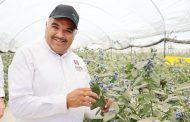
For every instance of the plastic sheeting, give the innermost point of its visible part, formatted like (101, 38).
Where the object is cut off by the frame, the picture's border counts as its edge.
(103, 23)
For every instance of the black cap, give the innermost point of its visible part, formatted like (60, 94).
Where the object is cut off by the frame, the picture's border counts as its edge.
(65, 11)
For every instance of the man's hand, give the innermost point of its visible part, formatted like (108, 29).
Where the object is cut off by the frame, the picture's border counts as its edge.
(81, 97)
(107, 106)
(2, 107)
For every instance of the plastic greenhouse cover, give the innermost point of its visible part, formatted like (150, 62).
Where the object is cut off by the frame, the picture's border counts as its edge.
(102, 22)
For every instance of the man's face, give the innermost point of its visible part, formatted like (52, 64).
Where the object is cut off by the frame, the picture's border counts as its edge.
(60, 34)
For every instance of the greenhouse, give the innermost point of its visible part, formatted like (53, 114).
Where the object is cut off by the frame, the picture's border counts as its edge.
(136, 54)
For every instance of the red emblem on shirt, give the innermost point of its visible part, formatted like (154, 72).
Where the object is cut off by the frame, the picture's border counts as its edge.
(77, 65)
(76, 62)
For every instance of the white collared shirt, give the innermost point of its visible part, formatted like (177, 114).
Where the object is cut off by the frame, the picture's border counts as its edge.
(2, 93)
(40, 79)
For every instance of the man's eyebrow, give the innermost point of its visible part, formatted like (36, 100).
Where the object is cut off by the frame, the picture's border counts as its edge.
(70, 28)
(53, 23)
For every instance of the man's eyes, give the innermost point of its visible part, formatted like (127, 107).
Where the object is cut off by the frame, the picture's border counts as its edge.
(70, 30)
(54, 26)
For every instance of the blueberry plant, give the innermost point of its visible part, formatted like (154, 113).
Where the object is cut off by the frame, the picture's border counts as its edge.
(143, 88)
(7, 58)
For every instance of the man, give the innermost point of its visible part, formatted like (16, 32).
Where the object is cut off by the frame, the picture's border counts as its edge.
(48, 82)
(2, 94)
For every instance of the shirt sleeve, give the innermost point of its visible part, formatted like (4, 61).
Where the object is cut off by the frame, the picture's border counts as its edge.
(22, 101)
(2, 94)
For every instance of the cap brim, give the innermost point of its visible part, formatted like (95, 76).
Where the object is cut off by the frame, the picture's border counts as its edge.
(56, 17)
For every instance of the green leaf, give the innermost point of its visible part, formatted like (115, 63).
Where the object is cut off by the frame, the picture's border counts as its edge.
(166, 121)
(175, 98)
(158, 92)
(146, 108)
(128, 110)
(183, 86)
(134, 116)
(134, 73)
(138, 81)
(164, 107)
(127, 95)
(148, 97)
(115, 107)
(95, 88)
(99, 103)
(98, 111)
(108, 116)
(150, 119)
(144, 85)
(155, 78)
(117, 89)
(129, 67)
(141, 64)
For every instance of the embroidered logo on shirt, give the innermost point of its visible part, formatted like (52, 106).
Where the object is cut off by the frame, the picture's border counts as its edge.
(78, 68)
(76, 62)
(77, 65)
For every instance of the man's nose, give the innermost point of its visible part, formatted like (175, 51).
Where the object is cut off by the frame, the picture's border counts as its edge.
(61, 34)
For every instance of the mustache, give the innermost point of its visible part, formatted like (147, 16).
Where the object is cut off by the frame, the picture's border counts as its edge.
(59, 38)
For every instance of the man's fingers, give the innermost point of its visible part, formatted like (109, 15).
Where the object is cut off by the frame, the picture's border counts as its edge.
(87, 99)
(90, 99)
(91, 94)
(2, 107)
(1, 112)
(81, 97)
(86, 104)
(87, 92)
(107, 105)
(84, 89)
